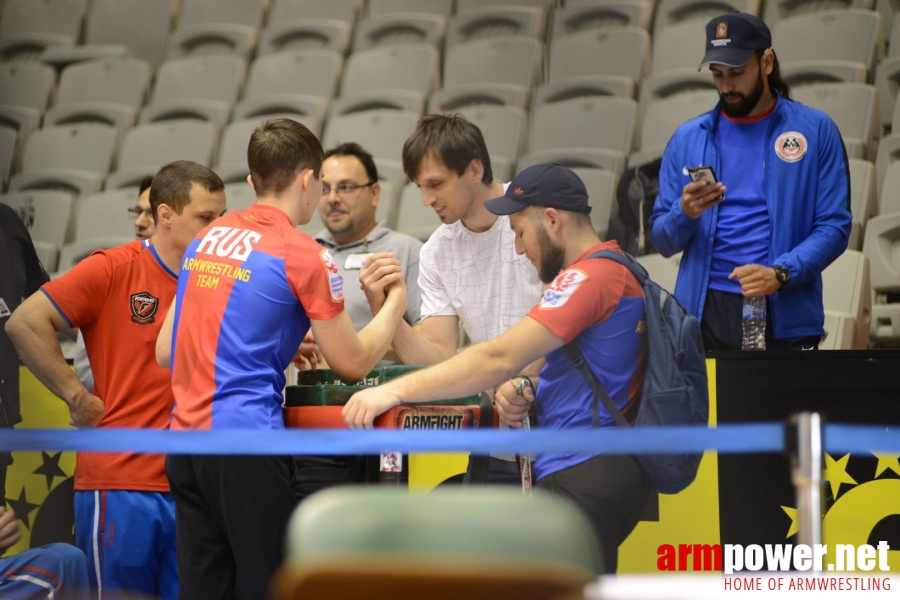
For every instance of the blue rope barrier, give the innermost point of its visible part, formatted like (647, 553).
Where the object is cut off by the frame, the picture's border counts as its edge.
(741, 439)
(726, 439)
(840, 438)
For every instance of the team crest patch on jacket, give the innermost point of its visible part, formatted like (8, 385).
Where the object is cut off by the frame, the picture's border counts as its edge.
(143, 308)
(791, 146)
(335, 281)
(562, 288)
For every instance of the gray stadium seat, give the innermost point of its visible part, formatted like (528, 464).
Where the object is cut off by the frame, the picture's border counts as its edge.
(432, 7)
(673, 12)
(811, 72)
(489, 21)
(665, 115)
(104, 91)
(776, 10)
(853, 107)
(199, 87)
(504, 129)
(583, 86)
(48, 254)
(303, 34)
(387, 203)
(593, 122)
(141, 26)
(106, 214)
(887, 81)
(888, 152)
(894, 41)
(863, 199)
(400, 28)
(667, 84)
(8, 139)
(601, 14)
(72, 254)
(838, 332)
(678, 46)
(462, 5)
(239, 196)
(882, 247)
(299, 81)
(48, 215)
(601, 188)
(407, 100)
(27, 26)
(25, 90)
(512, 60)
(73, 158)
(148, 147)
(451, 98)
(575, 158)
(662, 270)
(391, 171)
(413, 67)
(889, 200)
(381, 132)
(854, 35)
(413, 217)
(338, 10)
(846, 290)
(217, 26)
(621, 51)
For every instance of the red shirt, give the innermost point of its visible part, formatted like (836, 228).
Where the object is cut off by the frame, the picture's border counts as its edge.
(119, 298)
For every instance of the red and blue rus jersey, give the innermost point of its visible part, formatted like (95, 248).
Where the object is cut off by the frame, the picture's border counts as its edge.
(599, 302)
(248, 287)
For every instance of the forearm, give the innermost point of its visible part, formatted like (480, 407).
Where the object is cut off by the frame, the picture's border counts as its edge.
(413, 348)
(375, 337)
(483, 365)
(39, 349)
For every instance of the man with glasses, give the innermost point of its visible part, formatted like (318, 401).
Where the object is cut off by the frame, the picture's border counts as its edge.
(350, 196)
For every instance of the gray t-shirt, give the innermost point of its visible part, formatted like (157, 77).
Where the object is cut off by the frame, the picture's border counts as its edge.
(381, 239)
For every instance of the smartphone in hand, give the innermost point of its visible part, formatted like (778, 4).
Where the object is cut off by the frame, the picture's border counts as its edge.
(704, 172)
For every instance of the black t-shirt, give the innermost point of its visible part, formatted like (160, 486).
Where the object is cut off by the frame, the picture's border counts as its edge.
(21, 274)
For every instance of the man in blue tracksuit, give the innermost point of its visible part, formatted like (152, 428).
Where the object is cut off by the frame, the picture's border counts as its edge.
(780, 210)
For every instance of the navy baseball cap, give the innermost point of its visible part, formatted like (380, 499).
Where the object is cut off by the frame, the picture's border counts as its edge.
(732, 39)
(542, 185)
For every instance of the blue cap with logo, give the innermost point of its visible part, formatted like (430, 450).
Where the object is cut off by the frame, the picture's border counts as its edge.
(732, 39)
(548, 185)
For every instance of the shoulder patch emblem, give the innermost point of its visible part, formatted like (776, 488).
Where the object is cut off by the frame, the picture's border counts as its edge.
(791, 146)
(562, 288)
(335, 281)
(143, 308)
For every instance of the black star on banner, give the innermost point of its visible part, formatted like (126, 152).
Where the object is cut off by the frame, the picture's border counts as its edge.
(22, 508)
(50, 469)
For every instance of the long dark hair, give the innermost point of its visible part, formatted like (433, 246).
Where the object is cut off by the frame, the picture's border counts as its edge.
(775, 81)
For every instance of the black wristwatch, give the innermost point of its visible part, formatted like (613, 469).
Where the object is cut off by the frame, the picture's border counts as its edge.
(782, 275)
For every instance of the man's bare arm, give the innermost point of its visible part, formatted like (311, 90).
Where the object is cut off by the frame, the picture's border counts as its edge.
(477, 368)
(164, 339)
(32, 329)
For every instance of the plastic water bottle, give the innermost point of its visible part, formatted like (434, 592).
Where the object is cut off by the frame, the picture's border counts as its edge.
(754, 321)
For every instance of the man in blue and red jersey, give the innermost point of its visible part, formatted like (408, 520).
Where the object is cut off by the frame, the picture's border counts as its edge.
(251, 286)
(596, 301)
(124, 514)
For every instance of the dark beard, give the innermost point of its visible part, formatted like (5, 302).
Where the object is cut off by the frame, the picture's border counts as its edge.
(552, 257)
(747, 103)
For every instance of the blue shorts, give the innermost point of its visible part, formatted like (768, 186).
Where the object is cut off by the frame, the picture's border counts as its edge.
(129, 539)
(56, 570)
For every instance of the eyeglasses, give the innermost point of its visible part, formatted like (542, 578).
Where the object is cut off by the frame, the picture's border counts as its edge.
(136, 212)
(345, 189)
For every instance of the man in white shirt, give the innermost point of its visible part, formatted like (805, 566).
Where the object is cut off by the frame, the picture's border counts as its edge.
(469, 272)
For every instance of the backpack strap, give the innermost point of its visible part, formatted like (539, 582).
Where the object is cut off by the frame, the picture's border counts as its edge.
(573, 349)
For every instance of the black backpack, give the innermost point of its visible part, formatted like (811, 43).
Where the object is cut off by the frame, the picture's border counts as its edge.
(675, 390)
